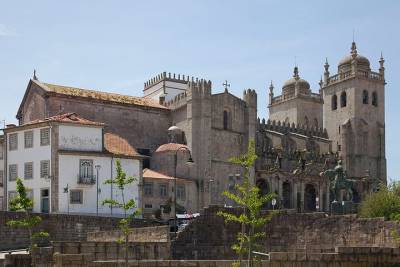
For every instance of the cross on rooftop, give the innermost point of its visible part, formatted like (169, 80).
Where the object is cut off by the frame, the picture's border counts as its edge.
(226, 85)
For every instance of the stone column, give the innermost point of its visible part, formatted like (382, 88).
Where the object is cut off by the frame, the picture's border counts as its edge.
(294, 198)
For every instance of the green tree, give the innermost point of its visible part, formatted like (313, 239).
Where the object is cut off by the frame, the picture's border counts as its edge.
(384, 203)
(127, 205)
(22, 203)
(248, 197)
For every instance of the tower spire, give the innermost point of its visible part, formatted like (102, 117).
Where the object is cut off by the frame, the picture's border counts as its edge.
(326, 73)
(296, 72)
(271, 92)
(34, 75)
(381, 65)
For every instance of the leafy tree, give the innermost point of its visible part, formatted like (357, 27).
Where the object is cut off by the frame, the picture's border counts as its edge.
(179, 208)
(22, 203)
(249, 197)
(127, 205)
(383, 203)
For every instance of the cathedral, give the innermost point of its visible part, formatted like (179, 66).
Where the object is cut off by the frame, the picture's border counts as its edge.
(305, 134)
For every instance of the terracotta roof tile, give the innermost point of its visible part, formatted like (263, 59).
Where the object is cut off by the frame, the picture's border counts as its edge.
(170, 147)
(94, 94)
(150, 174)
(67, 117)
(118, 145)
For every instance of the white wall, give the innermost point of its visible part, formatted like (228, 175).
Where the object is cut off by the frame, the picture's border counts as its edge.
(35, 154)
(80, 138)
(68, 173)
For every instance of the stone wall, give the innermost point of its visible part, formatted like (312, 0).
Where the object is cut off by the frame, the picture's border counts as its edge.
(61, 227)
(145, 234)
(343, 257)
(208, 237)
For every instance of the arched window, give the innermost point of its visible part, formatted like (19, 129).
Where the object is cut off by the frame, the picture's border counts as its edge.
(343, 99)
(365, 97)
(375, 99)
(226, 117)
(334, 102)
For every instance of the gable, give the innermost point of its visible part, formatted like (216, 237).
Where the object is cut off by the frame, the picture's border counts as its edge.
(33, 104)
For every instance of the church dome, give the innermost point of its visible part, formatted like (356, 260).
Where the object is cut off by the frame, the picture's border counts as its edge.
(362, 62)
(288, 87)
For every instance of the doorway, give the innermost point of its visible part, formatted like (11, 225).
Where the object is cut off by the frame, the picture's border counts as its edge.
(310, 195)
(44, 200)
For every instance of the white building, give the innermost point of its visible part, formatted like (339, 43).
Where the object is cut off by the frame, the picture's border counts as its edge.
(2, 179)
(59, 158)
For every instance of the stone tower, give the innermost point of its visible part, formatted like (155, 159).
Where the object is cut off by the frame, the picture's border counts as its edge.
(297, 104)
(354, 115)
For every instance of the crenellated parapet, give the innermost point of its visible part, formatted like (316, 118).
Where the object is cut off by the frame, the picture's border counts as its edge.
(178, 101)
(172, 77)
(283, 127)
(199, 88)
(250, 97)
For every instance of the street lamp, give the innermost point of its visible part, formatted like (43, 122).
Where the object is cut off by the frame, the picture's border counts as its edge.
(98, 167)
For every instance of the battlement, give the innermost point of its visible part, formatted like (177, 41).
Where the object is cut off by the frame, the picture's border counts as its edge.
(172, 77)
(178, 101)
(200, 87)
(283, 127)
(250, 97)
(282, 98)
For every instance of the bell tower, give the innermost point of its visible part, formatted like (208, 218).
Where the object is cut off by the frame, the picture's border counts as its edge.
(354, 115)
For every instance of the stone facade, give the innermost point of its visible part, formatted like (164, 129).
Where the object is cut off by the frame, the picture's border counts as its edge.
(215, 127)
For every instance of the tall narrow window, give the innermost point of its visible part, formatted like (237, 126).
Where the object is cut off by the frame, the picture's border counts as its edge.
(181, 192)
(28, 170)
(365, 97)
(375, 99)
(163, 190)
(28, 139)
(334, 102)
(44, 137)
(44, 169)
(226, 120)
(148, 189)
(1, 178)
(12, 172)
(13, 141)
(86, 169)
(343, 99)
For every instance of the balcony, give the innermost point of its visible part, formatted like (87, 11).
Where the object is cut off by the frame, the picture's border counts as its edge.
(86, 179)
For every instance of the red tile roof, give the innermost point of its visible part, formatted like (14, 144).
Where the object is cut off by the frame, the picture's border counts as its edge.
(150, 174)
(170, 147)
(98, 95)
(118, 145)
(68, 118)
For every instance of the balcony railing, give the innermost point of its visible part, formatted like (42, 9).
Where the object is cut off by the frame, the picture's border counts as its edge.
(348, 74)
(86, 179)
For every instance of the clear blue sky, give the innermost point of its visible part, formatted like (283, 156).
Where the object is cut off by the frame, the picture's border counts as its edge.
(117, 45)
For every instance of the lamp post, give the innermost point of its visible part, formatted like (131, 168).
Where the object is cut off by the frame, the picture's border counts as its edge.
(66, 190)
(174, 129)
(97, 187)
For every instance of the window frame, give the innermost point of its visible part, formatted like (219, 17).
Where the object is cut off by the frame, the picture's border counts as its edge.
(343, 99)
(10, 172)
(148, 185)
(41, 169)
(26, 134)
(374, 101)
(80, 191)
(86, 171)
(11, 137)
(365, 97)
(44, 141)
(1, 178)
(163, 185)
(25, 169)
(334, 103)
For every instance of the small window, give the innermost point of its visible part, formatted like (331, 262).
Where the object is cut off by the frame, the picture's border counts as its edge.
(334, 102)
(76, 196)
(226, 117)
(180, 192)
(28, 137)
(148, 189)
(148, 206)
(13, 141)
(343, 99)
(12, 172)
(45, 137)
(375, 99)
(163, 190)
(365, 97)
(1, 151)
(86, 168)
(44, 169)
(28, 170)
(1, 179)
